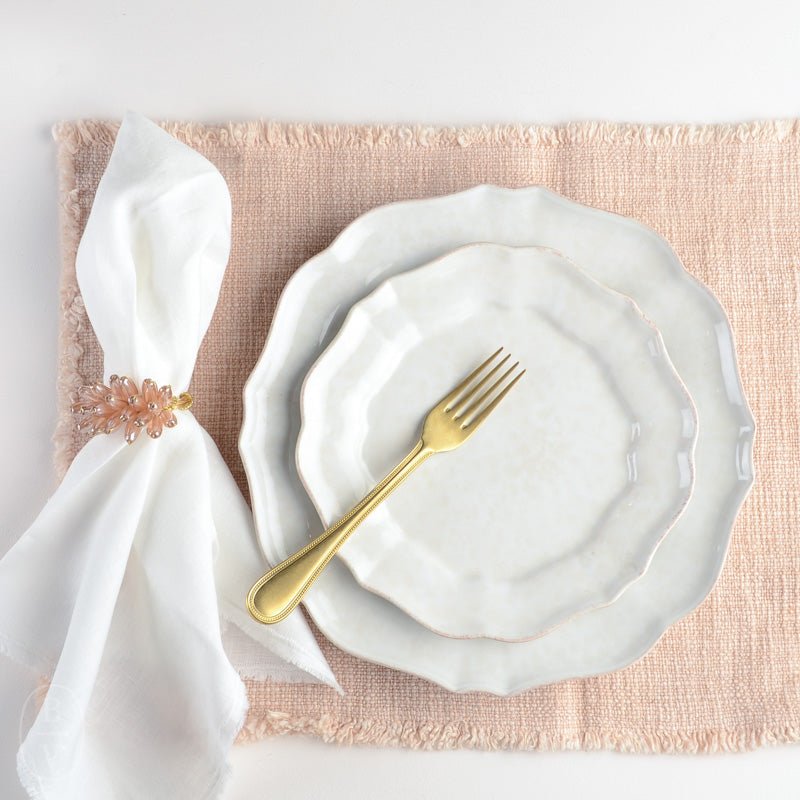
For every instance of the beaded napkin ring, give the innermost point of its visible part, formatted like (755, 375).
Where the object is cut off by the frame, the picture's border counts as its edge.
(103, 409)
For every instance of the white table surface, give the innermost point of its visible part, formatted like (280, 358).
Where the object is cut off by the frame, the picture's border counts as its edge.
(451, 61)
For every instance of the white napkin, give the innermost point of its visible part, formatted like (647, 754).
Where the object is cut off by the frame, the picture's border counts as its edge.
(118, 590)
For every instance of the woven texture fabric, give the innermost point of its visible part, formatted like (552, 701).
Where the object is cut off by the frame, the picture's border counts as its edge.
(728, 200)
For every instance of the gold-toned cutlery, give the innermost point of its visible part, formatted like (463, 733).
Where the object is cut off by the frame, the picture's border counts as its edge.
(447, 426)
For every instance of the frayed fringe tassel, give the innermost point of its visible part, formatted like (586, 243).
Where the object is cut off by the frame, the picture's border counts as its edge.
(73, 312)
(72, 135)
(427, 736)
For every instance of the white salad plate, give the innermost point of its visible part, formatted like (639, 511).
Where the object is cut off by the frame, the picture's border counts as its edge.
(559, 502)
(620, 253)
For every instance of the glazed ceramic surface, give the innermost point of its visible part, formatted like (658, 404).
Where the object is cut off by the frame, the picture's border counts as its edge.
(559, 502)
(616, 251)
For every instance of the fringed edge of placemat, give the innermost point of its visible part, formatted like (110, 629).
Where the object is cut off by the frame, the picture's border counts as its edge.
(72, 135)
(73, 312)
(456, 735)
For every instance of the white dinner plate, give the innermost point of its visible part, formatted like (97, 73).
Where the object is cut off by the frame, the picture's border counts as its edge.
(619, 252)
(558, 503)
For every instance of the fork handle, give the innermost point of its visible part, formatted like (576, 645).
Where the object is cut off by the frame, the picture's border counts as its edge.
(276, 594)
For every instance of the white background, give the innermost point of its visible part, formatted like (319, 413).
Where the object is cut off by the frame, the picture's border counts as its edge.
(453, 61)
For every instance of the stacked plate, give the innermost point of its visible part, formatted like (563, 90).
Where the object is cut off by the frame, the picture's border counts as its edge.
(587, 515)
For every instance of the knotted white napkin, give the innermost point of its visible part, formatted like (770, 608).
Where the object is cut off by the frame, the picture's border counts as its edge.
(119, 591)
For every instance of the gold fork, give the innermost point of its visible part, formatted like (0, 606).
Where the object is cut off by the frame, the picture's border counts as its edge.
(448, 425)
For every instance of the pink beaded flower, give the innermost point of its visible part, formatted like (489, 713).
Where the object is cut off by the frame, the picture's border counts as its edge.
(103, 409)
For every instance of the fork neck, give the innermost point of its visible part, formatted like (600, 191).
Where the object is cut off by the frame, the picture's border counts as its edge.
(420, 451)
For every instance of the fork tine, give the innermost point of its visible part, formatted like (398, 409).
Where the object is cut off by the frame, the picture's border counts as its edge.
(483, 414)
(463, 402)
(456, 393)
(478, 402)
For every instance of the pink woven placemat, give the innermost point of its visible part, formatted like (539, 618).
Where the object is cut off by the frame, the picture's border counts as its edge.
(726, 197)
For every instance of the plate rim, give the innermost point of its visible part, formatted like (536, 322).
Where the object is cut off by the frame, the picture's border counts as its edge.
(252, 422)
(666, 369)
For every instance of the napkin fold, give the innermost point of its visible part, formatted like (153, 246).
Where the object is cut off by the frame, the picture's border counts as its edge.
(121, 589)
